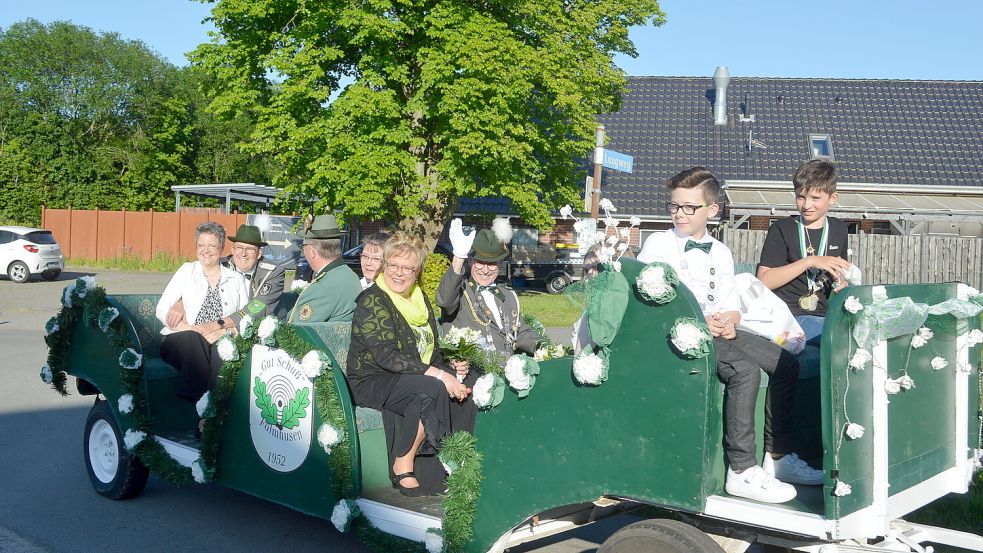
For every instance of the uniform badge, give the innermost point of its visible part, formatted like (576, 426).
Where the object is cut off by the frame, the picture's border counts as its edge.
(306, 312)
(255, 307)
(265, 290)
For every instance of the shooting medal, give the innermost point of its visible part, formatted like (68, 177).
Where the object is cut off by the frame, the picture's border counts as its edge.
(809, 302)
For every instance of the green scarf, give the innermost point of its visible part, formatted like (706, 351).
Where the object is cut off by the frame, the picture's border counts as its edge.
(414, 310)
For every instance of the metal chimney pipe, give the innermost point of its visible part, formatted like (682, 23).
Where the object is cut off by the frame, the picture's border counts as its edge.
(721, 77)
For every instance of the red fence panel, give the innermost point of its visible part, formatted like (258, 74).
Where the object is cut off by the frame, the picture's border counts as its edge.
(110, 233)
(59, 222)
(165, 235)
(138, 233)
(85, 234)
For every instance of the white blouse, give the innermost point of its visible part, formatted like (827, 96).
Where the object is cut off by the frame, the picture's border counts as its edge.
(190, 286)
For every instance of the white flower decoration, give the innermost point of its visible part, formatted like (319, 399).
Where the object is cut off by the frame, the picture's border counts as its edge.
(434, 542)
(328, 437)
(860, 358)
(939, 363)
(622, 247)
(917, 341)
(312, 364)
(244, 323)
(197, 472)
(975, 337)
(589, 369)
(515, 373)
(481, 391)
(558, 351)
(202, 405)
(634, 221)
(616, 266)
(130, 359)
(66, 296)
(965, 292)
(566, 211)
(606, 205)
(842, 489)
(624, 233)
(611, 240)
(964, 367)
(132, 438)
(906, 382)
(610, 221)
(267, 327)
(853, 275)
(227, 349)
(653, 281)
(853, 305)
(298, 284)
(87, 283)
(125, 403)
(456, 334)
(542, 354)
(46, 375)
(892, 386)
(104, 321)
(52, 326)
(854, 431)
(340, 515)
(688, 337)
(878, 293)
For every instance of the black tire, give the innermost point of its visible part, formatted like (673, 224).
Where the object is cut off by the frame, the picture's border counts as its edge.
(557, 282)
(113, 471)
(18, 272)
(51, 275)
(659, 536)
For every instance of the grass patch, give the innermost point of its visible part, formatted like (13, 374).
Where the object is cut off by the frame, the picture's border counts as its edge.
(551, 310)
(955, 511)
(161, 262)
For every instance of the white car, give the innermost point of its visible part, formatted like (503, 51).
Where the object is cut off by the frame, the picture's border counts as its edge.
(26, 251)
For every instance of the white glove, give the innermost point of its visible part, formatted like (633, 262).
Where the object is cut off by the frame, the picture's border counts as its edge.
(460, 242)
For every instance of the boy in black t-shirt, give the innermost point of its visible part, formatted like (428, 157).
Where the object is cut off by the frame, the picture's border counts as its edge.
(804, 257)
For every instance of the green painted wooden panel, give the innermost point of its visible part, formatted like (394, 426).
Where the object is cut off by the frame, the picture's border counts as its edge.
(850, 461)
(652, 432)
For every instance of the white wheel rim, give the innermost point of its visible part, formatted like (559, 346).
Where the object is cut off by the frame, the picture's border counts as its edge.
(17, 272)
(103, 451)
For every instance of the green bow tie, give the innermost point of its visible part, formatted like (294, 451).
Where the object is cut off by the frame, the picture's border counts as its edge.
(702, 246)
(493, 288)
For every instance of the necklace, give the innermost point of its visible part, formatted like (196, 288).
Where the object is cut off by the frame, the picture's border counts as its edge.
(810, 301)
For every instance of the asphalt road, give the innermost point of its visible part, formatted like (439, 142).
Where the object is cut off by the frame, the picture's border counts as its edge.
(48, 506)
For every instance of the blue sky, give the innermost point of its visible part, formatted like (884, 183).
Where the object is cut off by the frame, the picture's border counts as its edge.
(887, 39)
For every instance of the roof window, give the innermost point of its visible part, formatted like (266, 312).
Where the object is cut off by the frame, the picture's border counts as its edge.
(821, 146)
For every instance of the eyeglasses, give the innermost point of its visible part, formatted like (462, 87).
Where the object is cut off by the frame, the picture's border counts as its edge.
(244, 249)
(368, 258)
(673, 207)
(400, 269)
(209, 247)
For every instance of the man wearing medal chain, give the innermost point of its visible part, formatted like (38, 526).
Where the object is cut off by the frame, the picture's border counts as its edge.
(804, 257)
(477, 302)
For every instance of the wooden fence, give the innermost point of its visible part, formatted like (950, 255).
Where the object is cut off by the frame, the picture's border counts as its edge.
(888, 259)
(98, 234)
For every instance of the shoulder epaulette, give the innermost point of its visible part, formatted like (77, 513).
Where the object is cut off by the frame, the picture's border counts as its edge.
(267, 266)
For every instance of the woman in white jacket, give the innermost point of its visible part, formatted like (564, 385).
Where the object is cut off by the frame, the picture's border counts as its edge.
(210, 292)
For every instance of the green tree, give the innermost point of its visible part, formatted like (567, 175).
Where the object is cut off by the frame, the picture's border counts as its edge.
(444, 98)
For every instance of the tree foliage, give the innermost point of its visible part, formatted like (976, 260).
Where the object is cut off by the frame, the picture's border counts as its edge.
(90, 120)
(396, 108)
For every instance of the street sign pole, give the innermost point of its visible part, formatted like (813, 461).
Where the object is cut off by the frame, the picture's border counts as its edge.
(598, 160)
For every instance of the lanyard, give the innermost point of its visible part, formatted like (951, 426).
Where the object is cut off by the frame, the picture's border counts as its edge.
(812, 274)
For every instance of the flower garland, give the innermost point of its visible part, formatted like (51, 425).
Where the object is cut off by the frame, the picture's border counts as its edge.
(521, 371)
(86, 302)
(657, 283)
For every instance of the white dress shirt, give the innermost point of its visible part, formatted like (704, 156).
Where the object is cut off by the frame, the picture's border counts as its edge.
(190, 286)
(710, 276)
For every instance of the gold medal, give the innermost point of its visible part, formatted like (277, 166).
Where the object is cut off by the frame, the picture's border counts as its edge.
(809, 302)
(810, 250)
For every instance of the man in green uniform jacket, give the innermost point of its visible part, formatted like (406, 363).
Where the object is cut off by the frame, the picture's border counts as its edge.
(330, 297)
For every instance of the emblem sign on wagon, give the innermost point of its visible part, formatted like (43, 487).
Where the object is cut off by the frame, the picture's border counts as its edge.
(280, 411)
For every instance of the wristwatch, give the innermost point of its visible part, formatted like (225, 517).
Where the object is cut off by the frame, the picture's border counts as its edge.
(221, 322)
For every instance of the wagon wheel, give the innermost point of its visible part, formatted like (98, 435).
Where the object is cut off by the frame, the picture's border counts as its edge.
(659, 536)
(113, 471)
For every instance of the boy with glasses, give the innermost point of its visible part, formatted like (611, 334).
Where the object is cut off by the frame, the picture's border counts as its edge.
(706, 267)
(478, 302)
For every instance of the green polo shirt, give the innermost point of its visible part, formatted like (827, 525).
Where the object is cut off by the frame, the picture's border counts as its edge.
(329, 298)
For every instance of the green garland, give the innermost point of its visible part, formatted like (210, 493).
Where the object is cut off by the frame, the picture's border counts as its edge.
(87, 308)
(460, 452)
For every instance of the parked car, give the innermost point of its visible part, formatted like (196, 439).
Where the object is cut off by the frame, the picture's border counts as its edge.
(26, 251)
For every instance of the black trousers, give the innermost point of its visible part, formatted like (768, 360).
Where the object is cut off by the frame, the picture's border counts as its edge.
(197, 361)
(420, 398)
(739, 365)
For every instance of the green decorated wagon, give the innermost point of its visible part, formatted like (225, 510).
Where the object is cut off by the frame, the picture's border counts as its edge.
(888, 410)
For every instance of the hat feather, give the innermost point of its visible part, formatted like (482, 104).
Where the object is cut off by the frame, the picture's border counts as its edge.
(502, 229)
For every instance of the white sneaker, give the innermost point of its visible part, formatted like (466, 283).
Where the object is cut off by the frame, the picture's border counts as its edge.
(754, 483)
(793, 470)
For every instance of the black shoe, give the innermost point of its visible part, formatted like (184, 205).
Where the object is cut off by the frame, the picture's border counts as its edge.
(416, 491)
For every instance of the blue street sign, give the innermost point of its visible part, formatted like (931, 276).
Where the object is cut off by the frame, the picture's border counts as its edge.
(617, 161)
